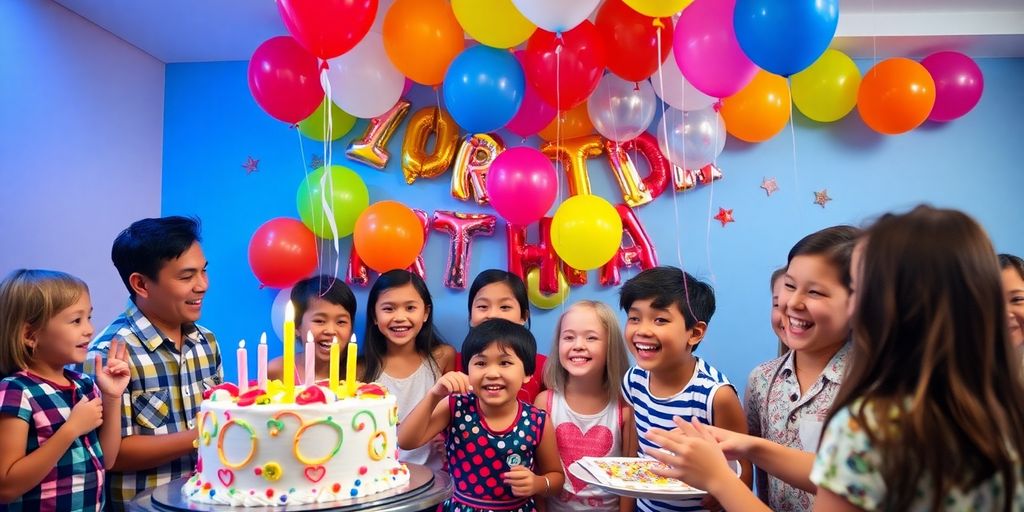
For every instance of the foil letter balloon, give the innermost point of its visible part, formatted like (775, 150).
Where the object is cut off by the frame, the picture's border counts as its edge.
(573, 154)
(637, 191)
(472, 161)
(523, 256)
(461, 227)
(358, 274)
(640, 254)
(372, 148)
(686, 179)
(416, 162)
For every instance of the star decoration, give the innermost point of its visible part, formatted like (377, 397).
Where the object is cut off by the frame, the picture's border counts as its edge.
(724, 216)
(250, 165)
(820, 198)
(769, 185)
(316, 162)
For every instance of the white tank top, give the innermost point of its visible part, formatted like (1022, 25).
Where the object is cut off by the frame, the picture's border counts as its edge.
(584, 435)
(409, 391)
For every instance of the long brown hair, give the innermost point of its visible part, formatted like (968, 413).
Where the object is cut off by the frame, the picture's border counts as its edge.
(932, 365)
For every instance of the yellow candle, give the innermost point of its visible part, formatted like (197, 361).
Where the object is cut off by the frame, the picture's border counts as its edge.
(350, 367)
(335, 363)
(288, 372)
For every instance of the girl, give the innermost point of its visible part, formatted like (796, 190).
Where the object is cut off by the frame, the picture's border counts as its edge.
(326, 308)
(494, 440)
(403, 351)
(788, 397)
(776, 318)
(57, 435)
(583, 402)
(1013, 287)
(499, 294)
(931, 414)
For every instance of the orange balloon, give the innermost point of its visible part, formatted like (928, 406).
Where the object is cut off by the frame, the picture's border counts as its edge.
(422, 37)
(896, 96)
(575, 123)
(388, 235)
(760, 110)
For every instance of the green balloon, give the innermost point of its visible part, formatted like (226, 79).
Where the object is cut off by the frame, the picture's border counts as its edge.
(314, 126)
(346, 196)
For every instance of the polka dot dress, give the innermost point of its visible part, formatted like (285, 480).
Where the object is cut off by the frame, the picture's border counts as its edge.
(478, 456)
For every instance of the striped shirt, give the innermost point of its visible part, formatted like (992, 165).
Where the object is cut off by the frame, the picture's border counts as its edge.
(76, 482)
(164, 392)
(693, 401)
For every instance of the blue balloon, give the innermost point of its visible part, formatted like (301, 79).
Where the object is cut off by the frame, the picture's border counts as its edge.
(785, 36)
(483, 88)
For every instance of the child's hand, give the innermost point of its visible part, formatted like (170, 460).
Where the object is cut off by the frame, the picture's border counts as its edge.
(114, 377)
(451, 383)
(86, 416)
(693, 455)
(733, 444)
(522, 481)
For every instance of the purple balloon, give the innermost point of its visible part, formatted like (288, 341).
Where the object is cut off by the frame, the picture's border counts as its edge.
(521, 185)
(534, 113)
(707, 51)
(958, 84)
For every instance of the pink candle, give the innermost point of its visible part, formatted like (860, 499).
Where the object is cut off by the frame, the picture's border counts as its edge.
(310, 377)
(261, 362)
(243, 368)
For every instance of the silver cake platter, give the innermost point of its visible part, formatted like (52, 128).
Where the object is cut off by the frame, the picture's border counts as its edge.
(425, 490)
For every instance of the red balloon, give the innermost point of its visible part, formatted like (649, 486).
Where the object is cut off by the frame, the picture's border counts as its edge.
(284, 79)
(328, 28)
(565, 70)
(281, 252)
(631, 40)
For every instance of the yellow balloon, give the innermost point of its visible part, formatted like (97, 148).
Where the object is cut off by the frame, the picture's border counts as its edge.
(658, 8)
(827, 90)
(494, 23)
(586, 232)
(539, 298)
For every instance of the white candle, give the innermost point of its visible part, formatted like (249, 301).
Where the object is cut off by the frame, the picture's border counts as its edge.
(243, 368)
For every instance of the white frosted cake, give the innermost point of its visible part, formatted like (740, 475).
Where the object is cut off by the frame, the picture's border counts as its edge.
(255, 450)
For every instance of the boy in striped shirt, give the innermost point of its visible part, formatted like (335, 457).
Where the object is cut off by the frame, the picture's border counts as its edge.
(667, 315)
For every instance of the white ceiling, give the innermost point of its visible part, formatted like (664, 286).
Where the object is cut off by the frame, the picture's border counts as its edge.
(217, 30)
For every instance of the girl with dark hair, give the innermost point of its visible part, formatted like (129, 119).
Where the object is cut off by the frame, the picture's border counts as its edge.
(1013, 287)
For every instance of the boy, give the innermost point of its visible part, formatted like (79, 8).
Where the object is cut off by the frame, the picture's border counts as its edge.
(667, 315)
(172, 359)
(325, 307)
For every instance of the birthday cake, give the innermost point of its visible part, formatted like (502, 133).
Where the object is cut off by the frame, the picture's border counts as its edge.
(257, 448)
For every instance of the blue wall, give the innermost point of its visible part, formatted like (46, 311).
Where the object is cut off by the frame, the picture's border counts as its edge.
(212, 125)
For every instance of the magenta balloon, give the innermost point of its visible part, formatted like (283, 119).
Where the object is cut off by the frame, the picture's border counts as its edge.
(707, 51)
(521, 185)
(958, 84)
(534, 113)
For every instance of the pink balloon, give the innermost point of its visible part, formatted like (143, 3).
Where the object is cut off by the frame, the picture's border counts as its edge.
(534, 114)
(284, 79)
(707, 51)
(521, 185)
(958, 84)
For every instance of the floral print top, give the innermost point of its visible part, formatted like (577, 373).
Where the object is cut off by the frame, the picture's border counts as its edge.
(778, 412)
(848, 466)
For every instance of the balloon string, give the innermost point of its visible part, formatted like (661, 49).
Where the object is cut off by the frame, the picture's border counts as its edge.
(792, 138)
(558, 159)
(664, 144)
(327, 178)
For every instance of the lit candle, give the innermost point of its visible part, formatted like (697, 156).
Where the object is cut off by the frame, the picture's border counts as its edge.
(310, 374)
(288, 371)
(243, 368)
(335, 356)
(261, 362)
(350, 367)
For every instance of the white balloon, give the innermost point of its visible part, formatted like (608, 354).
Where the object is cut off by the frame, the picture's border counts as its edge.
(382, 10)
(621, 110)
(277, 311)
(556, 15)
(364, 82)
(692, 139)
(676, 90)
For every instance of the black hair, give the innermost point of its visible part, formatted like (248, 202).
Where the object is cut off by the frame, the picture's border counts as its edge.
(1010, 261)
(666, 286)
(508, 335)
(514, 282)
(375, 344)
(834, 243)
(326, 288)
(146, 245)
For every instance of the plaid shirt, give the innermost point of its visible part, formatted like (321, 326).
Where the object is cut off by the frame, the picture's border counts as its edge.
(163, 394)
(76, 483)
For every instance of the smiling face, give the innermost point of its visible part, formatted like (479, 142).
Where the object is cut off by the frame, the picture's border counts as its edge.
(582, 343)
(1013, 287)
(176, 296)
(777, 327)
(496, 374)
(658, 337)
(815, 305)
(400, 313)
(326, 321)
(65, 338)
(495, 300)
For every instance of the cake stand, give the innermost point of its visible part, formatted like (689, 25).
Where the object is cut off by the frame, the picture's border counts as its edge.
(425, 490)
